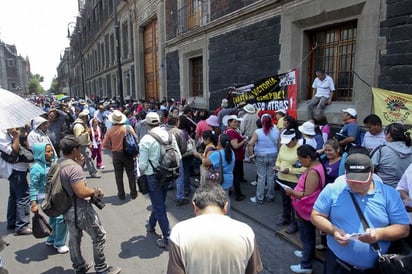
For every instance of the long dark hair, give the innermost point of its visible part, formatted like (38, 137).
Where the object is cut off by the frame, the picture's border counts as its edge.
(224, 141)
(398, 132)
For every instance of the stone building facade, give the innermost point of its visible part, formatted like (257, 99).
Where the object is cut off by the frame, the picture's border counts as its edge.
(200, 48)
(14, 69)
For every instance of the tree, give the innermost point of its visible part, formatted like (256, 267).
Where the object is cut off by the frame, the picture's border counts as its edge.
(54, 87)
(34, 84)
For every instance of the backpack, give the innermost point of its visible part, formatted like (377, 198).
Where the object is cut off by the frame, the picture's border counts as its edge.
(168, 168)
(57, 201)
(130, 146)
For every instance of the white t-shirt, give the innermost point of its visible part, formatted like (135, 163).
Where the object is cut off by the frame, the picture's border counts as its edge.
(323, 88)
(371, 141)
(405, 184)
(213, 243)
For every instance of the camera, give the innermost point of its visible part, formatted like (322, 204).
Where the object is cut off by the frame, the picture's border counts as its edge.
(97, 202)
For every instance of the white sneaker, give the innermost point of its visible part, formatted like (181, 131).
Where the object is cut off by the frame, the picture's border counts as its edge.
(62, 249)
(298, 253)
(298, 269)
(254, 183)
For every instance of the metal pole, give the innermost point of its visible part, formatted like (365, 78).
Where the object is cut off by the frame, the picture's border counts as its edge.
(119, 64)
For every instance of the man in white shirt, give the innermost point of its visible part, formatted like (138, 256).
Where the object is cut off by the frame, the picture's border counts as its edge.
(323, 88)
(212, 242)
(375, 135)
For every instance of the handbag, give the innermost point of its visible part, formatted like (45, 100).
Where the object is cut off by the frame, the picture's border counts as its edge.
(142, 184)
(387, 263)
(41, 227)
(215, 175)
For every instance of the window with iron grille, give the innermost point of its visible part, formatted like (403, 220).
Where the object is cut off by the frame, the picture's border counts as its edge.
(335, 53)
(196, 76)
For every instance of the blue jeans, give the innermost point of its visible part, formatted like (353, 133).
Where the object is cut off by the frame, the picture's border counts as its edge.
(157, 194)
(307, 233)
(88, 160)
(59, 233)
(180, 186)
(333, 265)
(89, 221)
(18, 208)
(266, 173)
(187, 164)
(319, 103)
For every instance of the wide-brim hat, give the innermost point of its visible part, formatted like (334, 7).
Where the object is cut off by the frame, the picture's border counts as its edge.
(227, 118)
(212, 121)
(249, 108)
(117, 117)
(358, 168)
(307, 128)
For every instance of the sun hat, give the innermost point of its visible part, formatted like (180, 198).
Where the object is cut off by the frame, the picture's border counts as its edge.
(287, 136)
(152, 118)
(117, 117)
(249, 108)
(37, 121)
(227, 118)
(358, 168)
(212, 121)
(307, 128)
(84, 113)
(351, 111)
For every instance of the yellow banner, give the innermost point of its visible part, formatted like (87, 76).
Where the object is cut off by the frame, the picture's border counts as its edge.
(392, 106)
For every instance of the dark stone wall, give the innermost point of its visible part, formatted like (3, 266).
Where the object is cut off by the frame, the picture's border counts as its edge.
(219, 8)
(396, 64)
(173, 78)
(243, 56)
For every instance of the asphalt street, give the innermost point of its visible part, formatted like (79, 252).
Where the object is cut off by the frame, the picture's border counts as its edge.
(130, 247)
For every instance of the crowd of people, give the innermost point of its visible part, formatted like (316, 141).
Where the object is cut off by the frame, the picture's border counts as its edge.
(317, 173)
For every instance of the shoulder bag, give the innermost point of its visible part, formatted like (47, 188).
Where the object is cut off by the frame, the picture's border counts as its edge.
(387, 263)
(215, 175)
(41, 227)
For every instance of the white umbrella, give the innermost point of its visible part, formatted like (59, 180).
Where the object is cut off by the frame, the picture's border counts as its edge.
(15, 111)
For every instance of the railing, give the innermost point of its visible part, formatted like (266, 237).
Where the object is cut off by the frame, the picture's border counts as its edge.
(191, 16)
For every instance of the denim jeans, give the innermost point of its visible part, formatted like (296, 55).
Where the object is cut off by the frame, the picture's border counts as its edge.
(187, 165)
(237, 177)
(266, 173)
(59, 233)
(288, 213)
(333, 265)
(88, 160)
(157, 194)
(121, 163)
(89, 221)
(319, 103)
(18, 208)
(180, 186)
(307, 233)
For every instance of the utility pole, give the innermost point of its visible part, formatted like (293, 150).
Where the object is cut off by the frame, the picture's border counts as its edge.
(118, 53)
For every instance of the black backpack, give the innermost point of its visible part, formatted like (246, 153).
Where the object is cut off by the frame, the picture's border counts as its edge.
(57, 201)
(168, 168)
(130, 146)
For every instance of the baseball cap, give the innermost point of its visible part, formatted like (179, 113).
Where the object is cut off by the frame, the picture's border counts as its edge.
(358, 168)
(351, 111)
(281, 111)
(152, 118)
(287, 136)
(69, 142)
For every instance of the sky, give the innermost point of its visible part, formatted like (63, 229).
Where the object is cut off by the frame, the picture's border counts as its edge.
(38, 29)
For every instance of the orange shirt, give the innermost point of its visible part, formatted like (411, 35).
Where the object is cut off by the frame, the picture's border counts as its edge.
(113, 139)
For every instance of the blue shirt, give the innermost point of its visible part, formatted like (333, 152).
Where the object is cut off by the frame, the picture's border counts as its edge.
(381, 207)
(226, 167)
(352, 129)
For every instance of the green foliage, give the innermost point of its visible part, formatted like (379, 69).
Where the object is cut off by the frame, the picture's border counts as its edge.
(34, 84)
(54, 87)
